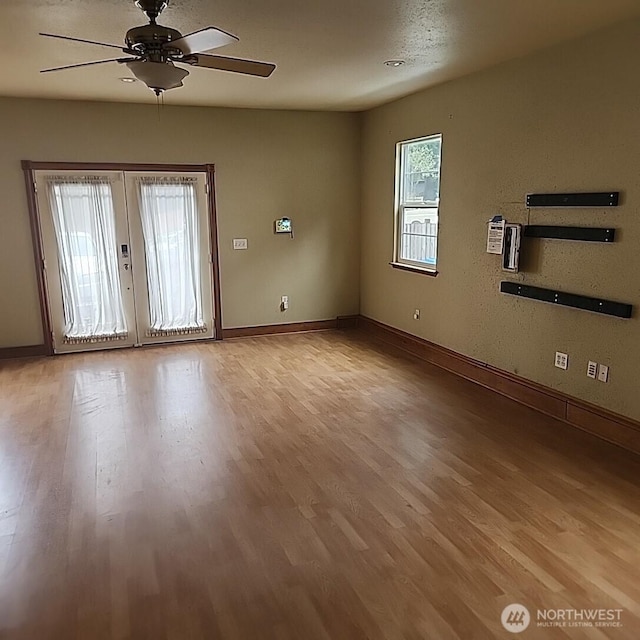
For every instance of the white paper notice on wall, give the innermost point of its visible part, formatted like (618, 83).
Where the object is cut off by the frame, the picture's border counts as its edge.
(495, 235)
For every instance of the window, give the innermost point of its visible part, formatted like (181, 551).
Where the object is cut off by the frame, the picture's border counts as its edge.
(418, 199)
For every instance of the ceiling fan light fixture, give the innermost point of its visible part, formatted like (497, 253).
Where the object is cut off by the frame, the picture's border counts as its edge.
(158, 76)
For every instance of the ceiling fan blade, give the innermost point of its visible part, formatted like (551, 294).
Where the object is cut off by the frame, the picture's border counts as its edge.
(235, 65)
(86, 64)
(101, 44)
(203, 40)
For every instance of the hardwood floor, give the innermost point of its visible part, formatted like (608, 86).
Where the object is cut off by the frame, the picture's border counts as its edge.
(298, 487)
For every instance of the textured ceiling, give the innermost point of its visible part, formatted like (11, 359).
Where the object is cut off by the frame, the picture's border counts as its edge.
(329, 54)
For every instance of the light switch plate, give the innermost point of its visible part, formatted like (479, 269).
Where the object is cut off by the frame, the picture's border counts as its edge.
(592, 369)
(240, 243)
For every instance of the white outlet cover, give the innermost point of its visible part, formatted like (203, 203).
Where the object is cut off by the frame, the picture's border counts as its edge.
(240, 243)
(603, 372)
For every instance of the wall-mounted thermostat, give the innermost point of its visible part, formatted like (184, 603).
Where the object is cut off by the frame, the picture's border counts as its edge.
(284, 225)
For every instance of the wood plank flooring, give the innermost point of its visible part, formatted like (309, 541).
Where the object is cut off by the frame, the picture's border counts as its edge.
(298, 487)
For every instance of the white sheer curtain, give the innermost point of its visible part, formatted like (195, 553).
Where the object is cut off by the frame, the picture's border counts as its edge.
(84, 221)
(169, 215)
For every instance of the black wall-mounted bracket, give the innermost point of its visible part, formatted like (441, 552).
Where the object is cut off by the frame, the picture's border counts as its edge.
(586, 234)
(600, 199)
(606, 307)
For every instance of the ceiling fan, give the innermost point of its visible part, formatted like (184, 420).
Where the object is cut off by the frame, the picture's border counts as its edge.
(153, 51)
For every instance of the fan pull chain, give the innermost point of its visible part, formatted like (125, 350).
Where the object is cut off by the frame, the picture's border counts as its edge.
(159, 104)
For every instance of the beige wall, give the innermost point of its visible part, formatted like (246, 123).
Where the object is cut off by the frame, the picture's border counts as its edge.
(566, 119)
(269, 164)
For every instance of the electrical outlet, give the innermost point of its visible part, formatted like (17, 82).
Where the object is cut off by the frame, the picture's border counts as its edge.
(284, 303)
(240, 243)
(562, 360)
(603, 373)
(592, 369)
(416, 314)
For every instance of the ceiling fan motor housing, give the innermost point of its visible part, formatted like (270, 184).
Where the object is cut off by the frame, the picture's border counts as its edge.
(151, 40)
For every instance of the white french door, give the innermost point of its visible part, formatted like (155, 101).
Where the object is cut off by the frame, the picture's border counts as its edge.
(168, 218)
(127, 258)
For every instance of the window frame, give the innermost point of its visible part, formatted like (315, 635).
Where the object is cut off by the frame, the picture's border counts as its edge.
(401, 206)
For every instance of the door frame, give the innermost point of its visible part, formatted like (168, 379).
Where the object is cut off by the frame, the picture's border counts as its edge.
(30, 166)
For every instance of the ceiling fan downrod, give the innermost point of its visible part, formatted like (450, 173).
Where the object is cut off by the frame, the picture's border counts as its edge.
(152, 8)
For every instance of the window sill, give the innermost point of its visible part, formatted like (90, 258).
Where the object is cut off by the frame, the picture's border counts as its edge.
(409, 267)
